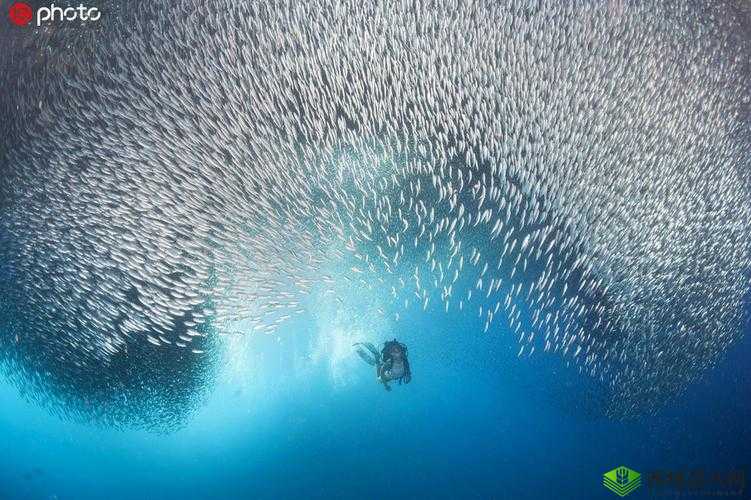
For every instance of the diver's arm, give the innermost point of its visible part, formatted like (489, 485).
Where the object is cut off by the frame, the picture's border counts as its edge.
(407, 372)
(383, 368)
(386, 365)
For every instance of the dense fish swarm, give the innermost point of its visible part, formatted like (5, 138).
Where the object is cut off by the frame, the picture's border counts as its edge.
(573, 174)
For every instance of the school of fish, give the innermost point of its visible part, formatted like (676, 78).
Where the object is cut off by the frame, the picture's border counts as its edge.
(575, 175)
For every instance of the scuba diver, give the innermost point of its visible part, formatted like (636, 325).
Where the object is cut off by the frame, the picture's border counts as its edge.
(391, 363)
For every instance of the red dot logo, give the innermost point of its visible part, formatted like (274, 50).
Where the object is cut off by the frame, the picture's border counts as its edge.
(20, 13)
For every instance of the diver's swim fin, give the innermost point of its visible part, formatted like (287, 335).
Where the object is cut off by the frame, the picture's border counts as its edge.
(366, 357)
(370, 358)
(376, 353)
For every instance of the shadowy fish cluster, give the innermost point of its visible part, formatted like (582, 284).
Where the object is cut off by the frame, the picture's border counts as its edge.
(575, 175)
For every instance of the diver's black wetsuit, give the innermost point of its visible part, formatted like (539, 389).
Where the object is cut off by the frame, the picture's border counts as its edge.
(388, 368)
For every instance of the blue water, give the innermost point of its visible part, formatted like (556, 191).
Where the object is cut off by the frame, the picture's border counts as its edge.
(299, 416)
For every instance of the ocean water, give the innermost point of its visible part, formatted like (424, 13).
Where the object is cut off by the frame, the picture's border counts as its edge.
(298, 415)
